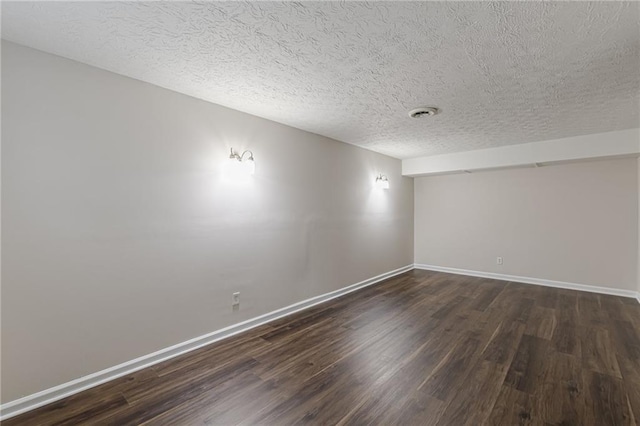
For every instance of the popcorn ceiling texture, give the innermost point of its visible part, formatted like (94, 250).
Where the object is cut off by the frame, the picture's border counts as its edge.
(503, 73)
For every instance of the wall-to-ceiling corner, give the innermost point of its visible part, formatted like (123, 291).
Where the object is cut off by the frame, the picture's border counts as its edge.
(565, 211)
(122, 235)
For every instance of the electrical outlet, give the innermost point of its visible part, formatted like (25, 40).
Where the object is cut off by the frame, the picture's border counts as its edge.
(236, 299)
(499, 260)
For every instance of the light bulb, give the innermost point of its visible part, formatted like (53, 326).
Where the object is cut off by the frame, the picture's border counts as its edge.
(234, 170)
(382, 182)
(250, 166)
(239, 167)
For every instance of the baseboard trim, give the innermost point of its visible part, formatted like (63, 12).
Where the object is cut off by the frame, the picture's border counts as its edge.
(56, 393)
(529, 280)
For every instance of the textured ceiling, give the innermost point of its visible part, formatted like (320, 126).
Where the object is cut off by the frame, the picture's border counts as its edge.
(502, 73)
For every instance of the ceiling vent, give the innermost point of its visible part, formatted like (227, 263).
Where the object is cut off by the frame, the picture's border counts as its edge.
(423, 112)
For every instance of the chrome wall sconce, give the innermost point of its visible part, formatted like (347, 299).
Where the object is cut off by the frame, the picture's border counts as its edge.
(239, 165)
(382, 182)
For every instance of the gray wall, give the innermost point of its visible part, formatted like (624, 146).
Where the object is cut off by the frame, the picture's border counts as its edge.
(120, 236)
(576, 222)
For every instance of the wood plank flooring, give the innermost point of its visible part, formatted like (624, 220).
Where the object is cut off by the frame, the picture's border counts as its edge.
(422, 348)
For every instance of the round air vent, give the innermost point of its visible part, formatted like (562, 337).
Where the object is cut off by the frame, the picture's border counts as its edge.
(423, 112)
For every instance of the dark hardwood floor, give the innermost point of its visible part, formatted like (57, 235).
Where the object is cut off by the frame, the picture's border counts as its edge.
(422, 348)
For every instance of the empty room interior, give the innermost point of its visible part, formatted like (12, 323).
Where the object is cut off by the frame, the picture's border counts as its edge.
(324, 213)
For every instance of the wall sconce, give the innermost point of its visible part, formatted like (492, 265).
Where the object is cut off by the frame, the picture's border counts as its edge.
(239, 166)
(382, 182)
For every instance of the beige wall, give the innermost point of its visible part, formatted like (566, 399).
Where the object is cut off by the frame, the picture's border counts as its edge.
(576, 223)
(120, 236)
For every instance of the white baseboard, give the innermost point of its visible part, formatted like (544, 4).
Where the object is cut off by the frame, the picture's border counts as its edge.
(47, 396)
(529, 280)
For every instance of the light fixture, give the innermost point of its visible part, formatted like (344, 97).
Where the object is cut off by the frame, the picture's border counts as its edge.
(423, 112)
(382, 182)
(240, 166)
